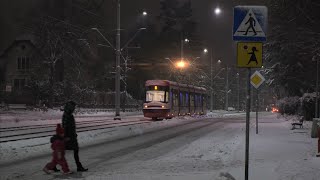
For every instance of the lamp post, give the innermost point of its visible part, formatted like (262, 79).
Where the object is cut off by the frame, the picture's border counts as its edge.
(238, 76)
(317, 91)
(117, 79)
(211, 75)
(227, 89)
(211, 78)
(217, 11)
(211, 82)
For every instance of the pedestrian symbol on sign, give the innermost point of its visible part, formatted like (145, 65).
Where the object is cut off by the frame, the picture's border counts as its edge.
(249, 54)
(253, 56)
(252, 23)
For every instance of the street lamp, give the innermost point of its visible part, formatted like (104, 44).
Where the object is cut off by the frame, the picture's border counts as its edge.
(144, 13)
(181, 64)
(217, 10)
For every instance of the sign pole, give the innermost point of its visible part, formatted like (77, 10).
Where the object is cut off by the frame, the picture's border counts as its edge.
(257, 107)
(249, 29)
(247, 126)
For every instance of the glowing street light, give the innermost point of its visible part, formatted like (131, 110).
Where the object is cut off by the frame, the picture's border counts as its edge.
(217, 11)
(186, 40)
(181, 64)
(144, 13)
(205, 50)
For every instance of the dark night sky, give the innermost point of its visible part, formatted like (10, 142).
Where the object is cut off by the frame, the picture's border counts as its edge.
(216, 30)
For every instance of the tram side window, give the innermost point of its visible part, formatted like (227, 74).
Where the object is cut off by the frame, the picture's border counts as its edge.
(187, 99)
(171, 97)
(175, 98)
(166, 96)
(182, 99)
(191, 99)
(197, 100)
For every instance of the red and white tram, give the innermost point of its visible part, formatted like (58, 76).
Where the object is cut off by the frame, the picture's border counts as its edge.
(166, 99)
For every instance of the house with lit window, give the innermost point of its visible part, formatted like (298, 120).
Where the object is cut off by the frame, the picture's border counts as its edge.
(16, 64)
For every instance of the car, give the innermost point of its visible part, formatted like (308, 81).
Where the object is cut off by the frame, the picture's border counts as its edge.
(274, 110)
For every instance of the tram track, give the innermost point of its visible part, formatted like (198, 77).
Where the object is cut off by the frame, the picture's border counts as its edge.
(46, 133)
(82, 126)
(6, 129)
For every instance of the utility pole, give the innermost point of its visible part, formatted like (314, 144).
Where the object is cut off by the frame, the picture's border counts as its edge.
(317, 91)
(117, 79)
(181, 46)
(227, 89)
(125, 78)
(211, 82)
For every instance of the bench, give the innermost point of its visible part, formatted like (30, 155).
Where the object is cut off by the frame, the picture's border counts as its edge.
(17, 106)
(300, 123)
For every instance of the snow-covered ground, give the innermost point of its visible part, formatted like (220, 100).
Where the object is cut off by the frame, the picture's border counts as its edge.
(276, 153)
(25, 149)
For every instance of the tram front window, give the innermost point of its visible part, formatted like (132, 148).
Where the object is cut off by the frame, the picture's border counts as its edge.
(156, 96)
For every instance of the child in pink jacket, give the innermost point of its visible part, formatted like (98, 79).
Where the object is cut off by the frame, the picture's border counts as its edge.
(58, 155)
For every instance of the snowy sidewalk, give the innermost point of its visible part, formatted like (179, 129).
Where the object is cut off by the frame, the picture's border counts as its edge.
(279, 153)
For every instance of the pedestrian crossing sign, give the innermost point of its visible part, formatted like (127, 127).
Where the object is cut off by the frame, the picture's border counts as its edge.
(250, 23)
(249, 54)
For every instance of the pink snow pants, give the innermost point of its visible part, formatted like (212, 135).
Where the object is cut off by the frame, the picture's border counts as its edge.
(61, 161)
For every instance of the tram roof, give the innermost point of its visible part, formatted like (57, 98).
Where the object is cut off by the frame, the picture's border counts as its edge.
(171, 83)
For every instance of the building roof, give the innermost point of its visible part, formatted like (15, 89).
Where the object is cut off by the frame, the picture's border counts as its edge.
(14, 44)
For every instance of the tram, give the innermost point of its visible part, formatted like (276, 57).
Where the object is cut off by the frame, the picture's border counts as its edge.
(166, 99)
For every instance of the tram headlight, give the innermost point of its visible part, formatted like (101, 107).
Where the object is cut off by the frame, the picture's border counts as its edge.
(162, 106)
(146, 106)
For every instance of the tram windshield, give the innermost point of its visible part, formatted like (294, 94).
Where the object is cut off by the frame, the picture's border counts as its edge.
(156, 96)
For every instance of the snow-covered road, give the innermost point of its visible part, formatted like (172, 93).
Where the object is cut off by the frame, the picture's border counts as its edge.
(211, 148)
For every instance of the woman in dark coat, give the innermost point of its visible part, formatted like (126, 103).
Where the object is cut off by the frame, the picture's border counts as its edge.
(69, 126)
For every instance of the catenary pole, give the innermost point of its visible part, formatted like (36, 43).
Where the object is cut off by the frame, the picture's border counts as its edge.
(211, 82)
(317, 91)
(117, 79)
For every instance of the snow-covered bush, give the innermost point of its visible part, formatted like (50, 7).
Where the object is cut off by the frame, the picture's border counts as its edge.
(303, 106)
(308, 105)
(289, 105)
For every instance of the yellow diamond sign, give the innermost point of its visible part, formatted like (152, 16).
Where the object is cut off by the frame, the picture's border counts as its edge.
(256, 79)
